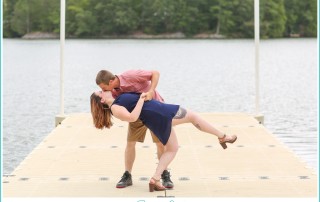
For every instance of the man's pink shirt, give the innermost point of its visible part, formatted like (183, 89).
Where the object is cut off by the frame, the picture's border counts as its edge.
(138, 81)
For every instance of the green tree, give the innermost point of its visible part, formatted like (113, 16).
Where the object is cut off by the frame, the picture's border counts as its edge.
(307, 20)
(222, 13)
(122, 16)
(186, 19)
(8, 10)
(243, 19)
(80, 21)
(203, 20)
(100, 18)
(273, 18)
(160, 16)
(22, 17)
(116, 16)
(49, 10)
(34, 15)
(292, 13)
(301, 17)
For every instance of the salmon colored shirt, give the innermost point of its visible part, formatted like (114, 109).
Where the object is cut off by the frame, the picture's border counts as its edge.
(137, 81)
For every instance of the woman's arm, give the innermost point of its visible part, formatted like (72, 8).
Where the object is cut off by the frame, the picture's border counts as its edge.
(123, 114)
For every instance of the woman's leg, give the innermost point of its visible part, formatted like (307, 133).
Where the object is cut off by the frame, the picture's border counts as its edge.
(167, 156)
(188, 116)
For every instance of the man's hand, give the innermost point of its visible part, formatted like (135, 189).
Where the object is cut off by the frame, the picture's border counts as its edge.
(143, 96)
(149, 95)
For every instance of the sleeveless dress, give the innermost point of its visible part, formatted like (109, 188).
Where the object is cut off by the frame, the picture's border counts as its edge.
(155, 115)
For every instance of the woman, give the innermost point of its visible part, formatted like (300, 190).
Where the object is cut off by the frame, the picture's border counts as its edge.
(158, 117)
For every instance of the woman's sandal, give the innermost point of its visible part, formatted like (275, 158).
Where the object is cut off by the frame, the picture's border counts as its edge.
(227, 139)
(155, 185)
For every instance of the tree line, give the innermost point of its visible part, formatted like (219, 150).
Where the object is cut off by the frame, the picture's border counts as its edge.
(105, 18)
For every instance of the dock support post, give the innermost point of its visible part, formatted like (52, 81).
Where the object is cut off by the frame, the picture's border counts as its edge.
(259, 118)
(257, 115)
(61, 116)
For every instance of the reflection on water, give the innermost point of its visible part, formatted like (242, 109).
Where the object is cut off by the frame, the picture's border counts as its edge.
(203, 75)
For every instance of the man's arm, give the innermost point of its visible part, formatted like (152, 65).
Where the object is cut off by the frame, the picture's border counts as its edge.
(154, 82)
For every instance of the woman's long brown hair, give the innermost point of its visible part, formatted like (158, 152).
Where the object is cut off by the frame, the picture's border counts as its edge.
(101, 114)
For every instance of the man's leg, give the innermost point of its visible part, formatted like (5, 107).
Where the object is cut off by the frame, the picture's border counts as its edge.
(130, 155)
(136, 133)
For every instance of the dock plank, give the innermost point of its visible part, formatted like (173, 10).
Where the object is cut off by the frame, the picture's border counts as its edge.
(77, 160)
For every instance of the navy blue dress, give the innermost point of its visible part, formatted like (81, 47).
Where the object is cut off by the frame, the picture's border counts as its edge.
(155, 115)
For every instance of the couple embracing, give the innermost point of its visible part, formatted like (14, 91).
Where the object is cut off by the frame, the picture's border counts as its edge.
(132, 97)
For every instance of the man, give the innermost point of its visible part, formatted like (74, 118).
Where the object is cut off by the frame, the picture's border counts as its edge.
(134, 81)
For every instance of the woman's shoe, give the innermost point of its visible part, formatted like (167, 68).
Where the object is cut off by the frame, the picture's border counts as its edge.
(155, 185)
(227, 139)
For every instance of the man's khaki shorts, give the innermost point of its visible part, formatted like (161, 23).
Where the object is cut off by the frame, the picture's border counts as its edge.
(137, 132)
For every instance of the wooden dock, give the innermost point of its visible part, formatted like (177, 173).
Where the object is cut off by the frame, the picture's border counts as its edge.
(77, 160)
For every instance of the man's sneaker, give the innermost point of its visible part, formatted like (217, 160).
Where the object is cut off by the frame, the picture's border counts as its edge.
(166, 181)
(126, 180)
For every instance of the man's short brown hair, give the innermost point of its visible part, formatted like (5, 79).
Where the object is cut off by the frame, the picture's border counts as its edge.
(104, 76)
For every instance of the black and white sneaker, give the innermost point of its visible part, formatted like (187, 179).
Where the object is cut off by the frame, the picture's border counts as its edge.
(126, 180)
(166, 181)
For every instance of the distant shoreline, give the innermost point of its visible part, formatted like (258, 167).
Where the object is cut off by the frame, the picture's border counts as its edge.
(137, 35)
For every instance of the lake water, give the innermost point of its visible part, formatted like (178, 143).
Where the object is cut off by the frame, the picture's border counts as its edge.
(203, 75)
